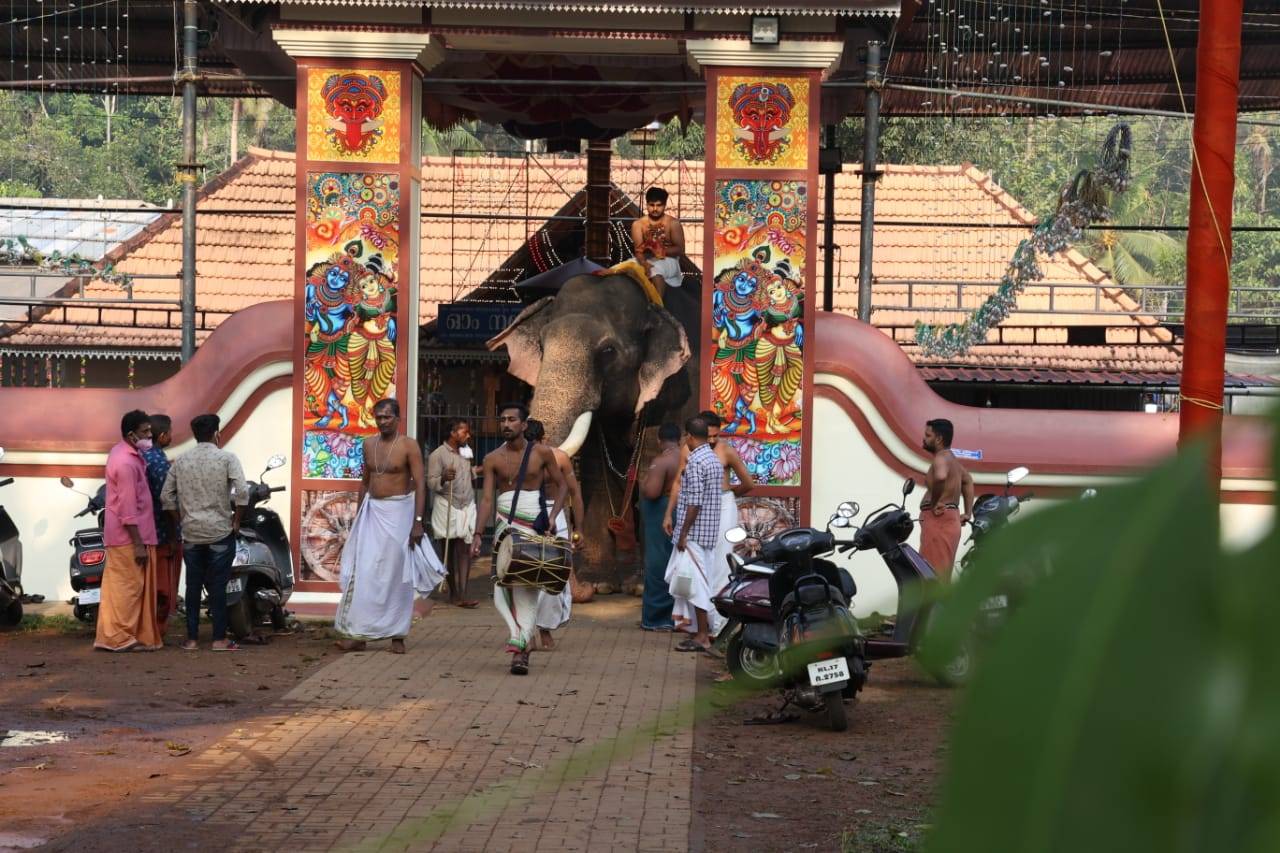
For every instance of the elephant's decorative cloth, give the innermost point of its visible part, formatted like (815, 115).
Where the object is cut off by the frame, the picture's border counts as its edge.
(636, 272)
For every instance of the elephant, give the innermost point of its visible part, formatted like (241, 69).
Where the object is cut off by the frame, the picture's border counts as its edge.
(597, 354)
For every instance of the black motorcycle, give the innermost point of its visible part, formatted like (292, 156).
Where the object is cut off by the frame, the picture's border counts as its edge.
(10, 566)
(814, 637)
(88, 556)
(262, 571)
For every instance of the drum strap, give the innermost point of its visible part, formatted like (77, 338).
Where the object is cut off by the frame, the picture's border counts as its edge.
(542, 523)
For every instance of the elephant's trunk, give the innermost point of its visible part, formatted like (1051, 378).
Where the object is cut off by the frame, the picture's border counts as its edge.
(567, 391)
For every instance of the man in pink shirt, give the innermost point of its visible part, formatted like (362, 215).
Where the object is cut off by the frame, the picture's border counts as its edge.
(127, 613)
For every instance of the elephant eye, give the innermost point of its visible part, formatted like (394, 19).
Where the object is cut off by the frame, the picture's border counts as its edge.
(607, 352)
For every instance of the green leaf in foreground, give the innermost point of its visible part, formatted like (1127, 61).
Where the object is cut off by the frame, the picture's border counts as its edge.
(1132, 702)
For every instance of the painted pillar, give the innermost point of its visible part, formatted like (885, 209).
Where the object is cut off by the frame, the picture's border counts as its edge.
(759, 260)
(359, 113)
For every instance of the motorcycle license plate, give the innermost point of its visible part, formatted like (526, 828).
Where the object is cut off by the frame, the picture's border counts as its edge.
(828, 671)
(995, 602)
(89, 596)
(235, 585)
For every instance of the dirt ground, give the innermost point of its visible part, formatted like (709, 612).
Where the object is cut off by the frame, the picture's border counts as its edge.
(129, 718)
(799, 786)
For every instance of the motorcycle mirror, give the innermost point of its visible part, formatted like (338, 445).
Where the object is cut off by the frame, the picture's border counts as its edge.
(67, 482)
(275, 461)
(847, 510)
(840, 521)
(908, 487)
(735, 535)
(1017, 474)
(1088, 494)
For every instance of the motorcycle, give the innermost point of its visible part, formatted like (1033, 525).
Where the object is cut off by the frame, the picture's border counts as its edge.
(262, 571)
(10, 566)
(88, 556)
(811, 637)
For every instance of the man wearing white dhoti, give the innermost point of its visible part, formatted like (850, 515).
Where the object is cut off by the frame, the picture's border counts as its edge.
(658, 238)
(735, 469)
(518, 472)
(453, 507)
(554, 610)
(697, 524)
(378, 567)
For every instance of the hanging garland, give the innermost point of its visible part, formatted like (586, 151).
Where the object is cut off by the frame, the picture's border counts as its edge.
(1082, 202)
(18, 251)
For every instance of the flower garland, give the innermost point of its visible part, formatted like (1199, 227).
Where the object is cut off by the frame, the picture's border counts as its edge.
(1082, 202)
(18, 251)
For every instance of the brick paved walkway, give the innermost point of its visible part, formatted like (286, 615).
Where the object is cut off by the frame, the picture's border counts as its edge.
(442, 749)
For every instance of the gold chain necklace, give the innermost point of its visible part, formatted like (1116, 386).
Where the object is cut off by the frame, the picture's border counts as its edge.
(381, 469)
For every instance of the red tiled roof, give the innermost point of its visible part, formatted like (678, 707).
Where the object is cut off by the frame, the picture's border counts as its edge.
(243, 259)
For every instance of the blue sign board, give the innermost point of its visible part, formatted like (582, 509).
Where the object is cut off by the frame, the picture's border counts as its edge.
(474, 322)
(967, 454)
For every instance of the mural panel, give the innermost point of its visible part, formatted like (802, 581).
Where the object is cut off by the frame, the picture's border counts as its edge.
(349, 315)
(762, 122)
(326, 522)
(757, 323)
(353, 115)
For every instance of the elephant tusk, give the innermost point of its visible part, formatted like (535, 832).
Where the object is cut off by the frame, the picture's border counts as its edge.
(577, 435)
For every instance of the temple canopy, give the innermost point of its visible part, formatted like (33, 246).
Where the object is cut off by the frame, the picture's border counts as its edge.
(560, 69)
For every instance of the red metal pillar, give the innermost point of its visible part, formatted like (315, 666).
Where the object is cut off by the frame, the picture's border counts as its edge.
(1209, 234)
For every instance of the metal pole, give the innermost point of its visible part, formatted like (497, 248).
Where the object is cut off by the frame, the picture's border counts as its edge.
(829, 228)
(187, 176)
(1213, 140)
(870, 173)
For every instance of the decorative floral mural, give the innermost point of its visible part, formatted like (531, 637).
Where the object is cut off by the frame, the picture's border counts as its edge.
(353, 115)
(349, 316)
(762, 122)
(757, 323)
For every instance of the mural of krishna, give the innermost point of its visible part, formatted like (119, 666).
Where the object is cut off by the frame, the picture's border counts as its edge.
(757, 323)
(349, 316)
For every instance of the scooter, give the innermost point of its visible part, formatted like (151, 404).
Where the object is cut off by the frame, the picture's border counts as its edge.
(10, 566)
(811, 636)
(88, 556)
(886, 531)
(262, 571)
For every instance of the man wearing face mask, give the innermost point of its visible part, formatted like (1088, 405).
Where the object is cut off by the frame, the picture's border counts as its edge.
(127, 613)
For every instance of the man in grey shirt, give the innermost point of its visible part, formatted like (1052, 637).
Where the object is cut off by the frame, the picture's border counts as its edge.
(199, 492)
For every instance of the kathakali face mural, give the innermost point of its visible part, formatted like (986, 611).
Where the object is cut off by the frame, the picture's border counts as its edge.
(349, 315)
(757, 323)
(353, 115)
(762, 123)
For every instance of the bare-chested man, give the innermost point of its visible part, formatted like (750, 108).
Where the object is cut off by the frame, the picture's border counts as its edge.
(718, 575)
(946, 483)
(659, 240)
(518, 605)
(655, 610)
(554, 610)
(377, 600)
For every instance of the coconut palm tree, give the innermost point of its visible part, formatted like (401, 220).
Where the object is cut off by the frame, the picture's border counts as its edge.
(1132, 258)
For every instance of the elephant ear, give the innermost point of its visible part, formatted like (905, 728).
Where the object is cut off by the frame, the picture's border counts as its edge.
(666, 352)
(523, 340)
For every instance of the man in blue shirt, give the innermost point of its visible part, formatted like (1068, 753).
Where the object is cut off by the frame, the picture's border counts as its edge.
(169, 550)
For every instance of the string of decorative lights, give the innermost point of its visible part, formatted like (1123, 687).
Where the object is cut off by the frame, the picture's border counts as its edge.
(1085, 200)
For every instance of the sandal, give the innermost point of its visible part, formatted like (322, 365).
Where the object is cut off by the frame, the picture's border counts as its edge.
(691, 646)
(191, 646)
(520, 663)
(229, 647)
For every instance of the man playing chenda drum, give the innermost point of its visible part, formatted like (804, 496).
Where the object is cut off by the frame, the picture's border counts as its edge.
(503, 470)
